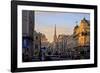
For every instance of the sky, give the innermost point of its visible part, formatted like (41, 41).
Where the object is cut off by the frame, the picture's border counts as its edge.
(65, 22)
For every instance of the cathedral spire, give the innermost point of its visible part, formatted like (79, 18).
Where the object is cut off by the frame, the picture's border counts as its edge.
(55, 36)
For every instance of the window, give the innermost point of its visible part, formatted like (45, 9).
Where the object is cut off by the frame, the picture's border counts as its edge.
(36, 46)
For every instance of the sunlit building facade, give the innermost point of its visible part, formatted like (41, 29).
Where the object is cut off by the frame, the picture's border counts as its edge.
(82, 37)
(82, 33)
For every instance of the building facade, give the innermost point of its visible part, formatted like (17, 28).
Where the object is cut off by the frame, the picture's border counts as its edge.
(36, 44)
(27, 34)
(82, 36)
(62, 43)
(82, 33)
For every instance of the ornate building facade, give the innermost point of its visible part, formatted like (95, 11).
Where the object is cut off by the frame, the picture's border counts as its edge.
(82, 33)
(82, 37)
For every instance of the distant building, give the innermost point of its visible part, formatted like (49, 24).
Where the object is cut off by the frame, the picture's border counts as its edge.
(71, 42)
(40, 43)
(36, 44)
(59, 43)
(44, 41)
(62, 43)
(45, 44)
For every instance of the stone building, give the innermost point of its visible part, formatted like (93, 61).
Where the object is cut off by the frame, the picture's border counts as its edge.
(40, 45)
(71, 42)
(82, 36)
(45, 44)
(82, 33)
(27, 34)
(62, 43)
(36, 44)
(44, 41)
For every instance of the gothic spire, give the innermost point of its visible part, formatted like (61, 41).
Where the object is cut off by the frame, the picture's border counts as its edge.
(55, 36)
